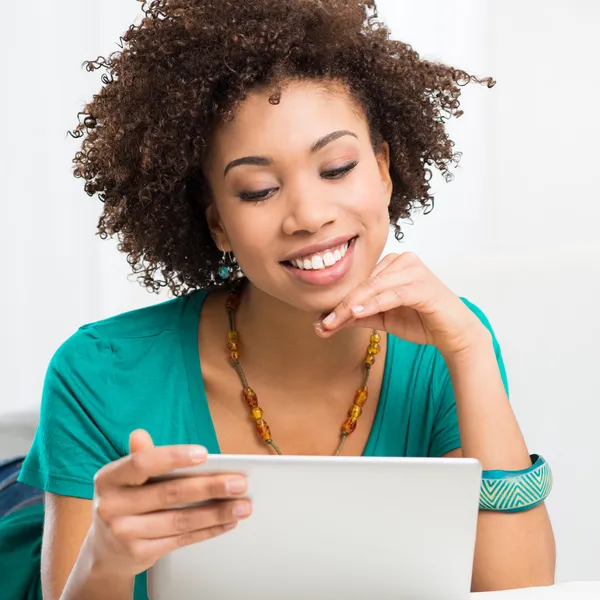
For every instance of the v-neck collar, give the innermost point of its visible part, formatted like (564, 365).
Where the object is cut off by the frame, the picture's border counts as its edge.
(205, 429)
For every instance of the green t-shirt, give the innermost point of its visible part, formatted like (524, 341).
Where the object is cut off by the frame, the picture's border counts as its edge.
(142, 370)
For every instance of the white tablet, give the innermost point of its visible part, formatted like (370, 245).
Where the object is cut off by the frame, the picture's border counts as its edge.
(327, 528)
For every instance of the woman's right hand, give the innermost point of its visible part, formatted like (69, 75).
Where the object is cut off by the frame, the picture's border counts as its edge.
(134, 523)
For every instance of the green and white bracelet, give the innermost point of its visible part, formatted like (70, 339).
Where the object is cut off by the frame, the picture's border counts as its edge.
(516, 491)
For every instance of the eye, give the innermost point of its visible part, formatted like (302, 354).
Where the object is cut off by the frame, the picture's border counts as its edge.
(260, 195)
(256, 196)
(339, 172)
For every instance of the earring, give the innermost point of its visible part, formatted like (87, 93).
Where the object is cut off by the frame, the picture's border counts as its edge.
(228, 267)
(225, 269)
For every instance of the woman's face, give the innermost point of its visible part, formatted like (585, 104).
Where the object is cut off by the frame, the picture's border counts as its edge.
(299, 195)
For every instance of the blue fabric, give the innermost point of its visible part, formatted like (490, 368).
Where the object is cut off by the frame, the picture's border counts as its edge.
(15, 495)
(21, 522)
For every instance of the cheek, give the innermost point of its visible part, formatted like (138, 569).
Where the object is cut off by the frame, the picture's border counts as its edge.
(368, 198)
(250, 232)
(244, 235)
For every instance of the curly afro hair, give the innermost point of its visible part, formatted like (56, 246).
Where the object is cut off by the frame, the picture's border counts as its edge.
(183, 70)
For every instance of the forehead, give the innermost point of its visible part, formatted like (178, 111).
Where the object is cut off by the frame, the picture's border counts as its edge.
(306, 111)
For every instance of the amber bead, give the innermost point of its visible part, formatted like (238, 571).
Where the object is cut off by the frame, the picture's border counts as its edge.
(373, 348)
(375, 338)
(233, 346)
(250, 397)
(355, 411)
(263, 430)
(257, 412)
(370, 359)
(361, 396)
(235, 355)
(349, 425)
(232, 336)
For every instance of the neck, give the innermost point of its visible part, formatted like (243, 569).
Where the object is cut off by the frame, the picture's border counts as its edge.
(283, 339)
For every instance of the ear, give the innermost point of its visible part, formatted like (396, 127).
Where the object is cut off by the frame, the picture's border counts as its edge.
(217, 230)
(383, 162)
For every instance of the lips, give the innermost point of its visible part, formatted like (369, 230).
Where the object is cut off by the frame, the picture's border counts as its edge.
(323, 275)
(318, 247)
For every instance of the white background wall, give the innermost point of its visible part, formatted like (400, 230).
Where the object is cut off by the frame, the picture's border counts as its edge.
(516, 232)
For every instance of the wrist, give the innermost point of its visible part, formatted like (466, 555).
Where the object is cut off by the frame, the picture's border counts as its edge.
(477, 343)
(99, 565)
(95, 578)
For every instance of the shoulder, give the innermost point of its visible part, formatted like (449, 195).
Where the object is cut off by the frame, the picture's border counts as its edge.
(119, 374)
(145, 322)
(129, 329)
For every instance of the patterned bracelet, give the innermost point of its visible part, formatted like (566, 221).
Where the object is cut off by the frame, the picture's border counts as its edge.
(516, 491)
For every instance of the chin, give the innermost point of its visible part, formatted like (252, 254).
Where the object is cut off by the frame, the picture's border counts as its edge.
(317, 303)
(320, 299)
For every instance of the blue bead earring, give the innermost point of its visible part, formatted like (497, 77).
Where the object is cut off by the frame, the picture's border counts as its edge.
(228, 267)
(224, 269)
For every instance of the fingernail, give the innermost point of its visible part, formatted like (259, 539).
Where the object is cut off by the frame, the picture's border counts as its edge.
(357, 309)
(197, 453)
(329, 319)
(241, 509)
(235, 485)
(319, 328)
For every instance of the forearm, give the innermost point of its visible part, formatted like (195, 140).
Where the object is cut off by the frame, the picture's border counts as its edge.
(512, 550)
(488, 428)
(89, 581)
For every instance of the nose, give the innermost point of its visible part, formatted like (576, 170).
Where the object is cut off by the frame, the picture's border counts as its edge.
(308, 211)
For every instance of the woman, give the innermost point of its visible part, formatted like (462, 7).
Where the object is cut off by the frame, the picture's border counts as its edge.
(251, 157)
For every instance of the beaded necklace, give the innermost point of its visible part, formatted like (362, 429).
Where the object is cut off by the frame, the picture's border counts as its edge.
(251, 399)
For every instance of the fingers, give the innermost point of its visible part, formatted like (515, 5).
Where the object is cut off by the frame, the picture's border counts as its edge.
(380, 303)
(169, 523)
(389, 277)
(163, 546)
(138, 520)
(143, 553)
(180, 491)
(137, 468)
(140, 440)
(365, 299)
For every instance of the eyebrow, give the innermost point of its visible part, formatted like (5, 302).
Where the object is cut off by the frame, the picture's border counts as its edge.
(265, 160)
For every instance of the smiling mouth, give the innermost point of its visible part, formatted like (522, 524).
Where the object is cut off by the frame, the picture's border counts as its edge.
(321, 260)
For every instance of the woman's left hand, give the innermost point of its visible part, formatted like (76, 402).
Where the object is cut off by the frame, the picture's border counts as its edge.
(403, 297)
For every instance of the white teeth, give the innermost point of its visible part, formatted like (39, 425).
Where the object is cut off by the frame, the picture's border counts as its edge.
(328, 259)
(321, 260)
(317, 262)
